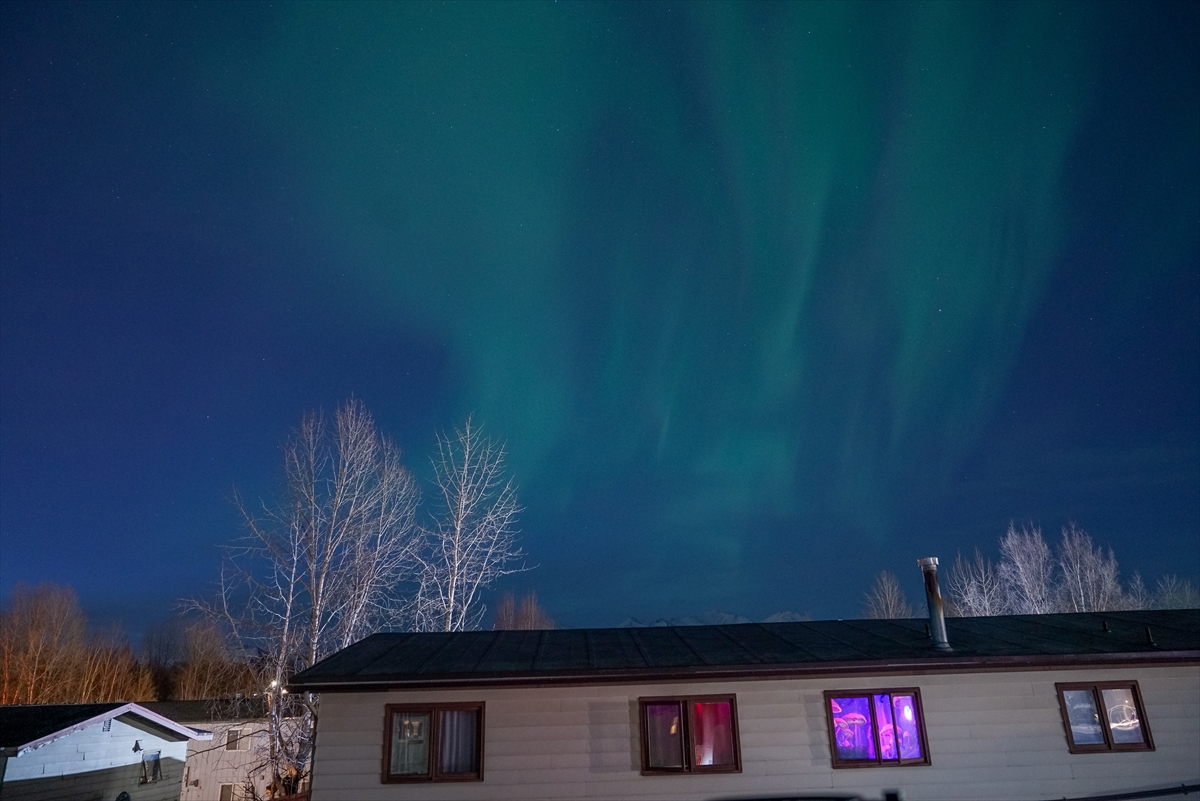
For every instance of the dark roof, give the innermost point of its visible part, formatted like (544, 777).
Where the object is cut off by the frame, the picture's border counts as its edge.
(28, 726)
(22, 724)
(213, 710)
(587, 656)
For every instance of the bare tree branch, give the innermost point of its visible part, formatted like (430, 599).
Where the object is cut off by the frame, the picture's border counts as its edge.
(1088, 577)
(886, 600)
(975, 588)
(321, 568)
(1027, 571)
(1175, 593)
(529, 616)
(48, 657)
(473, 542)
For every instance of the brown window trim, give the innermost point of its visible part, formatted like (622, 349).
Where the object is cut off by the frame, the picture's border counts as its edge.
(1108, 746)
(878, 762)
(686, 702)
(433, 775)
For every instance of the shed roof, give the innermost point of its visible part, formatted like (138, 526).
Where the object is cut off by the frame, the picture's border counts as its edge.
(755, 650)
(213, 710)
(23, 728)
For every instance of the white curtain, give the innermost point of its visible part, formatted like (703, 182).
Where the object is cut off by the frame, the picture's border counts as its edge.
(459, 736)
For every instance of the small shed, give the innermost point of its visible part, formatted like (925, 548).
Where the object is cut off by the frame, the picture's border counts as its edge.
(220, 769)
(92, 752)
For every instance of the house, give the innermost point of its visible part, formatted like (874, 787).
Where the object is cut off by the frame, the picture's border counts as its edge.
(218, 769)
(1013, 707)
(1016, 707)
(91, 751)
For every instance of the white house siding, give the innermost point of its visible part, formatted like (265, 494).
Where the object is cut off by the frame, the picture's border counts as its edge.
(991, 736)
(92, 764)
(209, 764)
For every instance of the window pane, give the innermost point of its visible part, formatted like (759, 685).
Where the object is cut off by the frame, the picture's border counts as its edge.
(908, 728)
(1081, 713)
(883, 719)
(151, 768)
(852, 727)
(232, 738)
(458, 734)
(410, 743)
(712, 736)
(226, 792)
(1123, 716)
(664, 735)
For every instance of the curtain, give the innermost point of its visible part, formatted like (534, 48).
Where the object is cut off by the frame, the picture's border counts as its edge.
(713, 735)
(459, 739)
(664, 735)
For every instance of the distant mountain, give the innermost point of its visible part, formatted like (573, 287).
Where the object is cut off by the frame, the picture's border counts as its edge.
(713, 617)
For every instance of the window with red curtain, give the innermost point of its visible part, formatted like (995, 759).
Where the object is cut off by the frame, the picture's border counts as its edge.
(689, 734)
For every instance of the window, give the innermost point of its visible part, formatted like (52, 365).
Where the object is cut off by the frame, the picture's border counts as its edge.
(876, 728)
(1123, 726)
(690, 735)
(151, 767)
(226, 792)
(440, 743)
(237, 740)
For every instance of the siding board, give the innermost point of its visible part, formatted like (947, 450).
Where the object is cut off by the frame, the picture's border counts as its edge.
(991, 736)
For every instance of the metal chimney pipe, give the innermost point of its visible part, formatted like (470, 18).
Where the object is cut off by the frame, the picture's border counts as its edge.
(933, 595)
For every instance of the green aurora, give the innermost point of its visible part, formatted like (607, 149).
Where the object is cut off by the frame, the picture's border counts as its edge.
(743, 286)
(751, 262)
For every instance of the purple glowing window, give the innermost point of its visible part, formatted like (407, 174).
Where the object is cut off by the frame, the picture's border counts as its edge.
(876, 728)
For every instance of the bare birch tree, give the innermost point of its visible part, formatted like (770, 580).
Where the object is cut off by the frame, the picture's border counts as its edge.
(529, 616)
(1088, 578)
(1033, 579)
(473, 541)
(1175, 593)
(1027, 571)
(886, 599)
(975, 588)
(321, 568)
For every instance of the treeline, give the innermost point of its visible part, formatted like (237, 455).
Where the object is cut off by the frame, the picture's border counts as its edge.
(1031, 577)
(48, 656)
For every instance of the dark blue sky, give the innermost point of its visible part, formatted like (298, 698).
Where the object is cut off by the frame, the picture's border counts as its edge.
(764, 298)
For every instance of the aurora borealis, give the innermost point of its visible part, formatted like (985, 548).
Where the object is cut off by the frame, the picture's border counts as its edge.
(764, 298)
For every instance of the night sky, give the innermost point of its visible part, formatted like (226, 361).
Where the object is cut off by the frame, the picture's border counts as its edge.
(763, 298)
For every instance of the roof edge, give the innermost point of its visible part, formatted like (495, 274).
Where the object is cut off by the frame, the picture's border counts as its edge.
(947, 664)
(115, 712)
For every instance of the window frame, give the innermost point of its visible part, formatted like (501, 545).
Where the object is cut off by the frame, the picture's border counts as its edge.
(237, 739)
(879, 762)
(1108, 746)
(687, 701)
(433, 775)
